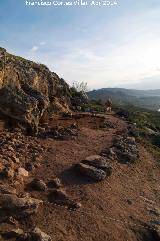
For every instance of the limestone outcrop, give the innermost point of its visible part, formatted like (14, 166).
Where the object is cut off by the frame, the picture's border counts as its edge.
(29, 91)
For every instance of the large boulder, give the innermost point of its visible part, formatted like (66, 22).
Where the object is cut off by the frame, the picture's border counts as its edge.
(98, 162)
(94, 167)
(91, 172)
(29, 91)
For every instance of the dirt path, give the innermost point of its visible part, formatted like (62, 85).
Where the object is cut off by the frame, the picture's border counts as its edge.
(113, 210)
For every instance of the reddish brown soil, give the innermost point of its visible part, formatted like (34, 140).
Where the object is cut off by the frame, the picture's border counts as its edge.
(113, 210)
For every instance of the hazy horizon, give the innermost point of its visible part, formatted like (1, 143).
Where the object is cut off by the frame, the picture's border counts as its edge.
(125, 88)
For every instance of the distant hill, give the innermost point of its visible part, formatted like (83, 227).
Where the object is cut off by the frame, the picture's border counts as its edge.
(143, 98)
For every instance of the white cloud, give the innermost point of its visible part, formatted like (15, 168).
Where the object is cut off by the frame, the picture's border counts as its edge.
(34, 48)
(126, 63)
(42, 43)
(37, 47)
(118, 53)
(131, 58)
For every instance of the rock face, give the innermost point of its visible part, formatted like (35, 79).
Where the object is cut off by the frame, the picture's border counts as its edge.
(29, 91)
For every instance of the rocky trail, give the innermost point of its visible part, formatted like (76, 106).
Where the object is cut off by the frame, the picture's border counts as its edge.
(84, 177)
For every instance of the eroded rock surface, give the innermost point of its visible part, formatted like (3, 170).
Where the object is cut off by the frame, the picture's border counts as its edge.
(29, 91)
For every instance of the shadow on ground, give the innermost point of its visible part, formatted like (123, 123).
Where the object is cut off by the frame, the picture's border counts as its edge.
(71, 177)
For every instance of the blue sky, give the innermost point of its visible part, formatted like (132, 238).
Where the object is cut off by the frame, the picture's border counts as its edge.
(106, 46)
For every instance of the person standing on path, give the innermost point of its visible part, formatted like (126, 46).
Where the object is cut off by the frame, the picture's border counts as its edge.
(108, 106)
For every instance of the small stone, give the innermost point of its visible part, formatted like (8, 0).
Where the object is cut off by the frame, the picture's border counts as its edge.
(15, 159)
(75, 205)
(12, 221)
(12, 234)
(41, 129)
(7, 173)
(155, 211)
(129, 202)
(29, 166)
(36, 165)
(58, 196)
(36, 159)
(74, 125)
(22, 172)
(38, 185)
(131, 140)
(10, 148)
(54, 183)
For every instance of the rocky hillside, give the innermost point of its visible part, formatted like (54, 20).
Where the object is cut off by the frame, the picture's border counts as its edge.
(30, 91)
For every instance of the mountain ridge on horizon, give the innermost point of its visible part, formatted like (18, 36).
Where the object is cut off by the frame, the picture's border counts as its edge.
(149, 99)
(124, 88)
